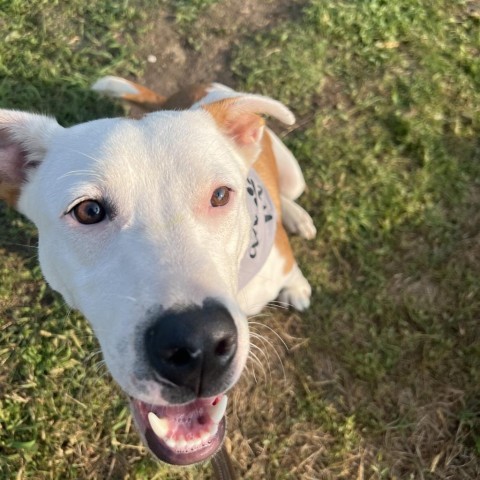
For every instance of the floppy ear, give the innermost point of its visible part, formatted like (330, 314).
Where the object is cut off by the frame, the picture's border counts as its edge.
(24, 138)
(238, 118)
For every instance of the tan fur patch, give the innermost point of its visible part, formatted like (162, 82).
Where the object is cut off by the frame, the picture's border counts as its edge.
(244, 127)
(9, 193)
(283, 245)
(219, 110)
(182, 100)
(266, 168)
(237, 125)
(147, 99)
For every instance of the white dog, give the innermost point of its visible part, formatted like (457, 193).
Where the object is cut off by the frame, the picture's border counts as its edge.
(165, 232)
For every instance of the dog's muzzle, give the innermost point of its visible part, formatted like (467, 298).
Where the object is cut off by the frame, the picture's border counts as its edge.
(191, 353)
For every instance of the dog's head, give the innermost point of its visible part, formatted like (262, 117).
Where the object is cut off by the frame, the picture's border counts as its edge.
(142, 225)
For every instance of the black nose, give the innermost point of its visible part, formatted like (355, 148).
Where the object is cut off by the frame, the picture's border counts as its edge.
(193, 347)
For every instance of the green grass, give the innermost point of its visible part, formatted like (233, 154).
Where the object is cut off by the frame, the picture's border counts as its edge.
(52, 50)
(390, 97)
(387, 97)
(187, 12)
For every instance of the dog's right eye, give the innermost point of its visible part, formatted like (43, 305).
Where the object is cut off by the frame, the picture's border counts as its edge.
(89, 212)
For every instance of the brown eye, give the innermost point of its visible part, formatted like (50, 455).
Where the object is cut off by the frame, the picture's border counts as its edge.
(220, 197)
(89, 212)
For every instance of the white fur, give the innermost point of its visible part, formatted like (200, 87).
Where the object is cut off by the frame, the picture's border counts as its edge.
(264, 287)
(296, 219)
(165, 244)
(292, 183)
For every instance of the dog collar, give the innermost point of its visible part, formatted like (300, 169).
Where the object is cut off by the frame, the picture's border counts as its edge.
(262, 232)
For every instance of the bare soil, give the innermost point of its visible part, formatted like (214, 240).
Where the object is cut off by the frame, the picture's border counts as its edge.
(203, 53)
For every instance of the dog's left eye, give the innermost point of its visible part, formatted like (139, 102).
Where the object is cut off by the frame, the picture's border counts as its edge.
(89, 212)
(220, 197)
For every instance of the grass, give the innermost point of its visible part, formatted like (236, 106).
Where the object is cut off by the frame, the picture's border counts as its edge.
(187, 12)
(382, 376)
(392, 140)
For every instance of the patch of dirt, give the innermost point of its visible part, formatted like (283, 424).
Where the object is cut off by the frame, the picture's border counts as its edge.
(173, 61)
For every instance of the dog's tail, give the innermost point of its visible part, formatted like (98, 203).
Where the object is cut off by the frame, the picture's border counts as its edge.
(129, 91)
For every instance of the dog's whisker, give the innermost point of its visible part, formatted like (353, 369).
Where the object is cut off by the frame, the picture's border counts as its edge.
(252, 372)
(272, 305)
(263, 325)
(267, 360)
(279, 304)
(276, 305)
(266, 341)
(90, 157)
(255, 306)
(256, 369)
(257, 335)
(92, 354)
(122, 297)
(99, 365)
(267, 345)
(23, 245)
(75, 173)
(32, 257)
(270, 346)
(259, 315)
(256, 357)
(104, 374)
(270, 309)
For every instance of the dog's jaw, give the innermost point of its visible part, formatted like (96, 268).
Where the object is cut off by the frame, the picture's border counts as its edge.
(182, 434)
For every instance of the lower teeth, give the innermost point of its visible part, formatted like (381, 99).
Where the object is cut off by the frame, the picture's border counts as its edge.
(185, 443)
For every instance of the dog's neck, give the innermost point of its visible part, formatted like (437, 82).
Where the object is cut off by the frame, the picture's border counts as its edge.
(262, 232)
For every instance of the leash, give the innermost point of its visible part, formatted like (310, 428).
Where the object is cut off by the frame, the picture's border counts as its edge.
(222, 465)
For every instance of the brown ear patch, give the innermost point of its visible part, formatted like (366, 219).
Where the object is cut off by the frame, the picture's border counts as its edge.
(13, 166)
(241, 125)
(9, 193)
(247, 129)
(219, 110)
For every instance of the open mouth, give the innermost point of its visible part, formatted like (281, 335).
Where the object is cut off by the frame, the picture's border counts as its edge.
(182, 434)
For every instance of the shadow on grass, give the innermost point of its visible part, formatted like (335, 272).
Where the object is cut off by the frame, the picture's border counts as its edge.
(67, 101)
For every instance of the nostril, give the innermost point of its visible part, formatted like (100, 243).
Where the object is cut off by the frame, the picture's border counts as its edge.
(225, 347)
(179, 357)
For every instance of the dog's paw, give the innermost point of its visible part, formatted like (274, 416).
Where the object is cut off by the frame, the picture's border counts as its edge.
(297, 220)
(297, 291)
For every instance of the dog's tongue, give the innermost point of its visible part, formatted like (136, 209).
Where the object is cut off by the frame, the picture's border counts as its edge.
(182, 434)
